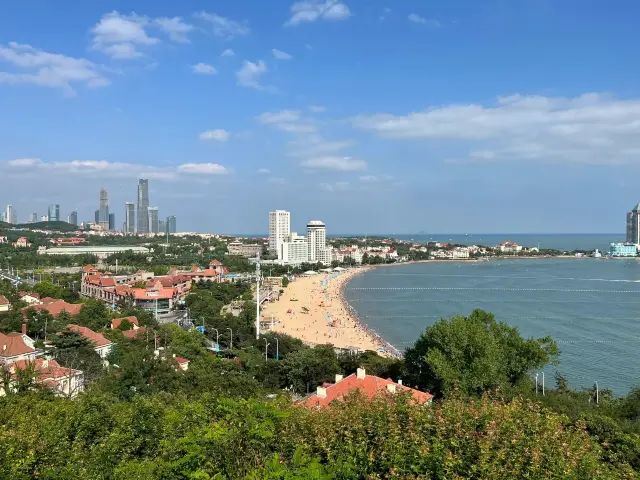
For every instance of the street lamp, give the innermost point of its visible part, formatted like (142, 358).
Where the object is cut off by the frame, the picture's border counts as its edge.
(277, 349)
(230, 336)
(266, 351)
(217, 338)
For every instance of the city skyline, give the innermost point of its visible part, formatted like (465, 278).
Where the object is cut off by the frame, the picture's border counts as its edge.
(448, 117)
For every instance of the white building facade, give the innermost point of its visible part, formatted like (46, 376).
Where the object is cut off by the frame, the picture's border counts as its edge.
(317, 241)
(279, 230)
(294, 250)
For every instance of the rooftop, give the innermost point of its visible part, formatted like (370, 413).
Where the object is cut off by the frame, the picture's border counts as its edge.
(95, 338)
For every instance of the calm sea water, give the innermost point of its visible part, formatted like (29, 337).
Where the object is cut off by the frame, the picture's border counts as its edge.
(591, 307)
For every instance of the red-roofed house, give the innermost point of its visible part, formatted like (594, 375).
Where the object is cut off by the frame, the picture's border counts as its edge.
(368, 385)
(115, 323)
(134, 332)
(55, 307)
(22, 242)
(4, 304)
(102, 345)
(183, 363)
(63, 381)
(16, 346)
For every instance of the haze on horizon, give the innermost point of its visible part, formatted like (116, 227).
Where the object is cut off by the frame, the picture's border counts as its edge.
(375, 117)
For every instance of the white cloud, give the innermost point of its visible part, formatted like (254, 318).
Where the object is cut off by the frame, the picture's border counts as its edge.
(203, 168)
(204, 69)
(277, 180)
(224, 27)
(287, 120)
(280, 55)
(217, 135)
(24, 162)
(343, 164)
(175, 27)
(317, 108)
(369, 179)
(250, 73)
(49, 69)
(336, 186)
(315, 145)
(228, 53)
(414, 17)
(592, 128)
(312, 10)
(119, 36)
(264, 171)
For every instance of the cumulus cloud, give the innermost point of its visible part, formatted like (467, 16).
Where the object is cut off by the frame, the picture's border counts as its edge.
(264, 171)
(315, 145)
(228, 53)
(592, 128)
(336, 186)
(287, 120)
(24, 162)
(175, 27)
(342, 164)
(415, 18)
(317, 108)
(250, 73)
(222, 26)
(277, 180)
(36, 67)
(280, 55)
(204, 69)
(203, 168)
(217, 135)
(120, 36)
(308, 11)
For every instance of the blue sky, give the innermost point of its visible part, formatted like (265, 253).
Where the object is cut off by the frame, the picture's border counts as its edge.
(373, 116)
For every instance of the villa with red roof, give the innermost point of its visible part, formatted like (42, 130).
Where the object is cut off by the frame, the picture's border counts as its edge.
(102, 345)
(55, 307)
(30, 298)
(4, 304)
(17, 346)
(368, 385)
(66, 382)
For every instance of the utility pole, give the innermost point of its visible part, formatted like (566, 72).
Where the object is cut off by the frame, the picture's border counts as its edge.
(231, 337)
(266, 349)
(597, 394)
(278, 350)
(543, 384)
(536, 384)
(258, 296)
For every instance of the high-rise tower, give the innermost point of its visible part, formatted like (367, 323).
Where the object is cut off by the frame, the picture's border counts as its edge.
(633, 225)
(130, 217)
(54, 213)
(316, 239)
(279, 230)
(154, 225)
(143, 206)
(103, 215)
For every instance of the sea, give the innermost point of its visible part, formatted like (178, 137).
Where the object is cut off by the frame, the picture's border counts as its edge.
(590, 306)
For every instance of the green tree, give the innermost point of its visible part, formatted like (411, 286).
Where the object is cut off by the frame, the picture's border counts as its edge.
(474, 354)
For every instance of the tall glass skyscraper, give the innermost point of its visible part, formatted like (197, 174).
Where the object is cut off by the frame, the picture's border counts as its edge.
(171, 224)
(130, 217)
(154, 224)
(54, 213)
(112, 221)
(73, 218)
(143, 206)
(103, 216)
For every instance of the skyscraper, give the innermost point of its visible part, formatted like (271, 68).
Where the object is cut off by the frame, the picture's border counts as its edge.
(10, 215)
(154, 226)
(97, 217)
(162, 226)
(143, 205)
(112, 221)
(316, 239)
(103, 216)
(171, 224)
(633, 225)
(279, 229)
(130, 217)
(73, 218)
(33, 218)
(54, 213)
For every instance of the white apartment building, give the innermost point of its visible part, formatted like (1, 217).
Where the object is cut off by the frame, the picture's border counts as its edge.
(294, 250)
(317, 241)
(279, 230)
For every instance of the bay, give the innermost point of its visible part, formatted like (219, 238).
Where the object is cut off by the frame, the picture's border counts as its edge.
(591, 307)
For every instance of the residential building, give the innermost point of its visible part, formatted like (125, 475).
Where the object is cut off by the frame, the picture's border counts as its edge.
(63, 381)
(17, 346)
(73, 218)
(54, 213)
(22, 242)
(44, 218)
(171, 224)
(5, 306)
(10, 215)
(623, 250)
(345, 254)
(143, 206)
(4, 239)
(97, 217)
(279, 229)
(54, 307)
(99, 251)
(633, 225)
(112, 221)
(3, 217)
(30, 298)
(33, 218)
(317, 241)
(368, 386)
(101, 344)
(154, 224)
(248, 250)
(103, 215)
(509, 247)
(130, 217)
(162, 226)
(294, 250)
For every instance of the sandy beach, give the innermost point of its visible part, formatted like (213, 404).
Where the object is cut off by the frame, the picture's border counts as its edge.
(317, 313)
